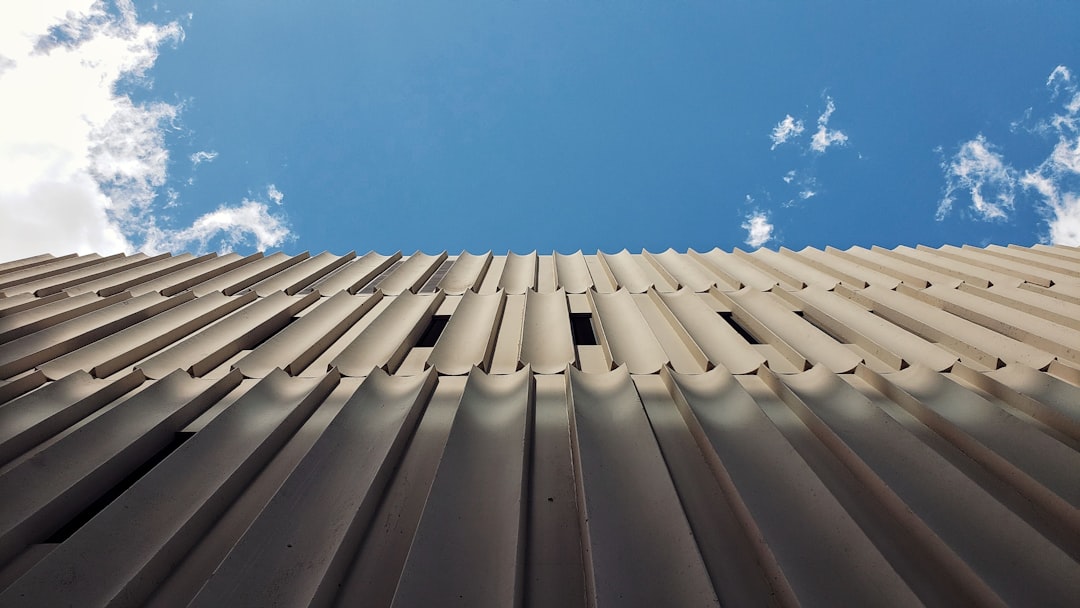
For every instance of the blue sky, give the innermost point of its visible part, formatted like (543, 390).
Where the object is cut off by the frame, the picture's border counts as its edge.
(552, 125)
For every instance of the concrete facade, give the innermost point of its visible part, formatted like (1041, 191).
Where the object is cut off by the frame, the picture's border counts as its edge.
(865, 427)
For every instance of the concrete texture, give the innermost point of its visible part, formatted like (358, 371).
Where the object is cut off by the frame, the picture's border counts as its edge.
(818, 427)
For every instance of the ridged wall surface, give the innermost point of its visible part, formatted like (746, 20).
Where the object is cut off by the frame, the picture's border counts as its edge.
(866, 427)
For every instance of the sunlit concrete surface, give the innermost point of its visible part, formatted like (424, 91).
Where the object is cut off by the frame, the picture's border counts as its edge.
(866, 427)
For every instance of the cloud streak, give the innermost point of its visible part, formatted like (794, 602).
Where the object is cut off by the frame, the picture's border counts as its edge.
(84, 165)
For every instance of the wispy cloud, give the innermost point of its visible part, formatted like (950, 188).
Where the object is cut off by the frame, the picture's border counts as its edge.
(982, 172)
(789, 177)
(248, 224)
(790, 128)
(1063, 205)
(203, 156)
(1057, 179)
(993, 184)
(85, 165)
(759, 230)
(824, 136)
(1058, 76)
(785, 130)
(274, 194)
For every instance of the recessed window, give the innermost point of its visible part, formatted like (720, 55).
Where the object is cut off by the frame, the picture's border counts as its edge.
(432, 284)
(730, 318)
(65, 531)
(581, 328)
(374, 284)
(433, 331)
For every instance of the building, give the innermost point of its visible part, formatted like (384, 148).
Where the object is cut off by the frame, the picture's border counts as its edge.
(839, 428)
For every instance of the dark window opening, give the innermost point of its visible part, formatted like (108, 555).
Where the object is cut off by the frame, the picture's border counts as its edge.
(432, 284)
(252, 345)
(746, 335)
(581, 329)
(433, 331)
(374, 284)
(98, 505)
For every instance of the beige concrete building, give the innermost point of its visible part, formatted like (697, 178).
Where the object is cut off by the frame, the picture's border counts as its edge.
(866, 427)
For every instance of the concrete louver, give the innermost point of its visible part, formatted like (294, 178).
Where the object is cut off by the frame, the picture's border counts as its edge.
(815, 427)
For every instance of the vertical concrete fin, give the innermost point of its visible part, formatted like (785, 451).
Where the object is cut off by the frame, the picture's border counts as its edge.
(469, 337)
(126, 347)
(469, 547)
(24, 353)
(295, 278)
(412, 274)
(166, 512)
(301, 342)
(546, 343)
(572, 272)
(626, 272)
(320, 513)
(715, 337)
(519, 273)
(355, 274)
(623, 485)
(466, 273)
(386, 341)
(31, 419)
(682, 353)
(241, 330)
(686, 272)
(48, 489)
(625, 334)
(737, 437)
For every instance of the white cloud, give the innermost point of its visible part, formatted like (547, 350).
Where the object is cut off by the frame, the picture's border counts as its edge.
(825, 137)
(804, 187)
(983, 173)
(1063, 207)
(249, 223)
(1059, 75)
(1055, 182)
(785, 130)
(83, 165)
(758, 229)
(203, 156)
(1065, 225)
(1066, 155)
(791, 127)
(1057, 179)
(274, 194)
